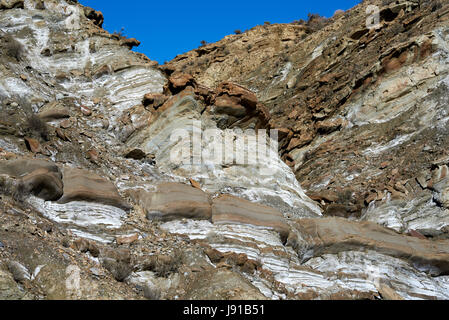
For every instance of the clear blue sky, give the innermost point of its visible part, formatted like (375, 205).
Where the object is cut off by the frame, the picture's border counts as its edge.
(170, 27)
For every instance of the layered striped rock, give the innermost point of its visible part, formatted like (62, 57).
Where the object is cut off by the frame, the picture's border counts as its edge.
(38, 177)
(336, 235)
(173, 201)
(228, 209)
(83, 185)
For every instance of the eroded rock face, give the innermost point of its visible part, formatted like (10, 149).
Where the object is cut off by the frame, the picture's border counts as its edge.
(361, 119)
(268, 181)
(346, 95)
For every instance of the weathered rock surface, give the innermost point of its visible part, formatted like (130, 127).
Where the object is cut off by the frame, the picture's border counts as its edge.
(361, 116)
(38, 177)
(81, 185)
(222, 285)
(175, 201)
(229, 209)
(334, 235)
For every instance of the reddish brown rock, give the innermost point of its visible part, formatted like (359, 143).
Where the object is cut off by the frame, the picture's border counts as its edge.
(226, 105)
(179, 81)
(195, 184)
(154, 100)
(370, 198)
(61, 135)
(416, 234)
(327, 196)
(93, 155)
(86, 111)
(136, 154)
(54, 114)
(388, 293)
(33, 145)
(300, 141)
(43, 184)
(338, 210)
(242, 96)
(214, 255)
(329, 126)
(85, 245)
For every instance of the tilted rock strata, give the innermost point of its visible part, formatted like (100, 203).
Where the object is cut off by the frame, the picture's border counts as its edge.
(229, 209)
(334, 235)
(361, 119)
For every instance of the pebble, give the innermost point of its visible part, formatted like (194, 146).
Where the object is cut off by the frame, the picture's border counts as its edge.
(97, 272)
(2, 245)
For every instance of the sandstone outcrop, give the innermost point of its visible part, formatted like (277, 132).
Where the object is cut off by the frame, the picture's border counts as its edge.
(228, 209)
(362, 119)
(334, 235)
(38, 177)
(175, 201)
(82, 185)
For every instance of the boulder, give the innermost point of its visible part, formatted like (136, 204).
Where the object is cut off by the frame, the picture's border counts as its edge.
(179, 81)
(229, 106)
(38, 177)
(134, 153)
(95, 16)
(243, 96)
(175, 201)
(335, 235)
(236, 102)
(53, 111)
(127, 239)
(43, 184)
(82, 185)
(154, 99)
(33, 145)
(228, 209)
(130, 43)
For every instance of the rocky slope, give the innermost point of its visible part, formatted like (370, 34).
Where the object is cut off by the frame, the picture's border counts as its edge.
(353, 205)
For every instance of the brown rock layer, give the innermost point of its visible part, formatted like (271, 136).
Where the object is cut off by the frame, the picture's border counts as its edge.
(334, 235)
(82, 185)
(175, 201)
(230, 209)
